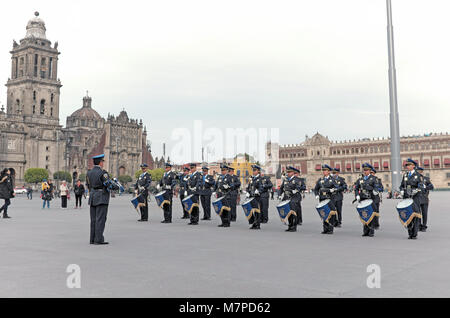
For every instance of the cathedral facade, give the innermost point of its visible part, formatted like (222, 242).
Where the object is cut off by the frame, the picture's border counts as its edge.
(30, 132)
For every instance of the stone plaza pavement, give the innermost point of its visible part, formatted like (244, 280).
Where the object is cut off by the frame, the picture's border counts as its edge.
(176, 260)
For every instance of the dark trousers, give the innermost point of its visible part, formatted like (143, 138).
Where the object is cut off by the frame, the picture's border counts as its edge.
(265, 209)
(233, 204)
(195, 214)
(185, 213)
(339, 210)
(376, 219)
(98, 220)
(369, 229)
(167, 211)
(424, 209)
(64, 201)
(292, 222)
(297, 207)
(206, 205)
(4, 208)
(78, 200)
(226, 216)
(144, 211)
(255, 219)
(413, 227)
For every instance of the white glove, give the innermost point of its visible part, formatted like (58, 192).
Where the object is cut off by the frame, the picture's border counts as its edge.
(332, 190)
(136, 191)
(295, 191)
(415, 191)
(256, 191)
(214, 194)
(193, 189)
(402, 193)
(158, 187)
(358, 198)
(247, 195)
(226, 186)
(168, 187)
(317, 197)
(185, 193)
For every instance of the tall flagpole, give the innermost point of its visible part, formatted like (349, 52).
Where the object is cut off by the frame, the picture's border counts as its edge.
(396, 164)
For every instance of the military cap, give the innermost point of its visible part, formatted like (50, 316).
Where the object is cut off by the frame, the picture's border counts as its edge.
(98, 158)
(420, 168)
(144, 165)
(409, 161)
(256, 167)
(337, 169)
(367, 166)
(205, 168)
(168, 164)
(223, 166)
(192, 165)
(326, 167)
(186, 169)
(374, 171)
(230, 168)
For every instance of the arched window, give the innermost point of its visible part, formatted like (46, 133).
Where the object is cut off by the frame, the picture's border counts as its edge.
(34, 95)
(51, 111)
(42, 109)
(51, 98)
(34, 109)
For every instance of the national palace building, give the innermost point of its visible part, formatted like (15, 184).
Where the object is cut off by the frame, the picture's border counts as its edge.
(432, 151)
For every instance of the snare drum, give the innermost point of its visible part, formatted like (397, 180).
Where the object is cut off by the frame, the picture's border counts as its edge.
(250, 206)
(406, 213)
(219, 206)
(162, 199)
(324, 210)
(285, 211)
(190, 202)
(365, 211)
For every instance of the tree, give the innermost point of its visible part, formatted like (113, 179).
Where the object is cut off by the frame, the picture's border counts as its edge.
(82, 177)
(35, 175)
(156, 174)
(124, 179)
(63, 175)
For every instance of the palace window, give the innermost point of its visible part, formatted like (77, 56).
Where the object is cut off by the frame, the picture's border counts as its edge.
(50, 66)
(42, 109)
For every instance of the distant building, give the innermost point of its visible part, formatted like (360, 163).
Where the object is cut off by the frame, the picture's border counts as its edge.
(431, 151)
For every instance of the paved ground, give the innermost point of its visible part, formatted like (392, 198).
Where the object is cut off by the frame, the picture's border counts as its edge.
(177, 260)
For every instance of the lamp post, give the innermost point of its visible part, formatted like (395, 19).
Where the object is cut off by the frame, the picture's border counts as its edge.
(394, 120)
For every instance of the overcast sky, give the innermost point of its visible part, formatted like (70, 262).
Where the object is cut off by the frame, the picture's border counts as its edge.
(302, 66)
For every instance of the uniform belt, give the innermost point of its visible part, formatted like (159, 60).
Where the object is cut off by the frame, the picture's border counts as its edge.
(98, 188)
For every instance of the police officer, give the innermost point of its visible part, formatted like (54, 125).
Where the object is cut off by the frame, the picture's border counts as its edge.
(206, 185)
(292, 189)
(267, 187)
(141, 188)
(234, 193)
(412, 183)
(324, 189)
(378, 196)
(254, 190)
(338, 196)
(300, 213)
(167, 183)
(194, 184)
(182, 179)
(223, 188)
(424, 200)
(364, 190)
(99, 194)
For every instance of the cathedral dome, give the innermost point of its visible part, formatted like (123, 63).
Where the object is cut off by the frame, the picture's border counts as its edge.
(86, 112)
(36, 27)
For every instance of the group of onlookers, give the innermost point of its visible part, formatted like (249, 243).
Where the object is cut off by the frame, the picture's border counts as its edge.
(48, 190)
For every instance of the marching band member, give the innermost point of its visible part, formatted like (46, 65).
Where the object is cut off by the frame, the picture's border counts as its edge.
(364, 190)
(206, 186)
(424, 200)
(223, 188)
(99, 187)
(234, 193)
(183, 178)
(292, 189)
(193, 187)
(167, 183)
(324, 189)
(141, 188)
(412, 183)
(254, 190)
(338, 196)
(267, 187)
(378, 196)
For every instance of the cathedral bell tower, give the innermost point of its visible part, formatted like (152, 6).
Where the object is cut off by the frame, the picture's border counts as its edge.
(34, 88)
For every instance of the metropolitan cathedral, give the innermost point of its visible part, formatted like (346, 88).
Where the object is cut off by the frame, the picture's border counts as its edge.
(31, 135)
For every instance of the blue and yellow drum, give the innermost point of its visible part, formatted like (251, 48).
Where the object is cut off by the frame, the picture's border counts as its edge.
(250, 206)
(406, 213)
(366, 212)
(324, 210)
(190, 202)
(219, 206)
(161, 199)
(285, 211)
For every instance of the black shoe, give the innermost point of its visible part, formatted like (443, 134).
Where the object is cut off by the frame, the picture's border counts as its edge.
(6, 217)
(220, 225)
(324, 232)
(226, 225)
(376, 227)
(102, 243)
(142, 220)
(165, 221)
(300, 223)
(291, 230)
(206, 219)
(233, 220)
(370, 235)
(365, 234)
(338, 225)
(193, 223)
